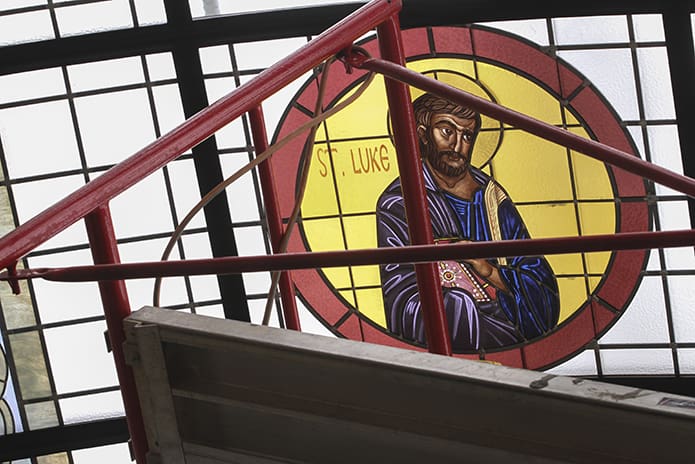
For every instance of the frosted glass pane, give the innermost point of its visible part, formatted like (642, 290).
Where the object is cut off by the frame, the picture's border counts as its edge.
(638, 139)
(644, 320)
(250, 241)
(61, 301)
(637, 362)
(656, 83)
(682, 289)
(582, 364)
(32, 198)
(13, 4)
(589, 30)
(219, 87)
(111, 454)
(39, 139)
(32, 84)
(686, 360)
(216, 59)
(256, 282)
(232, 135)
(612, 73)
(197, 246)
(241, 196)
(94, 17)
(201, 8)
(114, 126)
(186, 193)
(173, 292)
(205, 288)
(676, 216)
(145, 250)
(535, 30)
(79, 358)
(665, 150)
(309, 323)
(92, 407)
(26, 27)
(103, 74)
(654, 263)
(140, 292)
(142, 209)
(150, 12)
(648, 28)
(215, 311)
(160, 66)
(261, 54)
(167, 103)
(256, 311)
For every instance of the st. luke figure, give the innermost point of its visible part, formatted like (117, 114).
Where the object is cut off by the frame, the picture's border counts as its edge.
(490, 303)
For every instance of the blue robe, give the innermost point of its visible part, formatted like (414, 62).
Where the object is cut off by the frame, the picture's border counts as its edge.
(528, 309)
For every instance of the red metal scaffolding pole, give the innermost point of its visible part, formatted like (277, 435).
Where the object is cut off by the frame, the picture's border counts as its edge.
(114, 298)
(413, 186)
(407, 254)
(273, 216)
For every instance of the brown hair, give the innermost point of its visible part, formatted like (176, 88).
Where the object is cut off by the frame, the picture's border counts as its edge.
(426, 105)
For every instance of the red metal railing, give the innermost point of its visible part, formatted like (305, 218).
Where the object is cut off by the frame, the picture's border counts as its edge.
(91, 201)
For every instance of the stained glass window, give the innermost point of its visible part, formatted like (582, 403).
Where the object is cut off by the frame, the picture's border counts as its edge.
(603, 77)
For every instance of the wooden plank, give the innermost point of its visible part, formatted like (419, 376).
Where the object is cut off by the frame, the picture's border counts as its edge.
(156, 399)
(260, 391)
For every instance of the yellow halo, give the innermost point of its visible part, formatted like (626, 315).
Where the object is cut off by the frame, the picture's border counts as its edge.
(489, 138)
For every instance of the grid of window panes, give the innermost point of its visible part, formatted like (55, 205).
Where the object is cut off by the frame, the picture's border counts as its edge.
(61, 127)
(33, 20)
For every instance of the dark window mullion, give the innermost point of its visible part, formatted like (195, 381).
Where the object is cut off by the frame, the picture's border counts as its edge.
(207, 164)
(681, 53)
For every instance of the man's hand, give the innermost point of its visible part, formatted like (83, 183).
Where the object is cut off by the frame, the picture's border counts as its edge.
(487, 271)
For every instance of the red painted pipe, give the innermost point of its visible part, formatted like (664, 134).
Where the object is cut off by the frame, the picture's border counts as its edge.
(413, 187)
(273, 216)
(114, 298)
(202, 125)
(408, 254)
(542, 129)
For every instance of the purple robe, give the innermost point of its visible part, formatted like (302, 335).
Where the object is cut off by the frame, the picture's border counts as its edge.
(529, 308)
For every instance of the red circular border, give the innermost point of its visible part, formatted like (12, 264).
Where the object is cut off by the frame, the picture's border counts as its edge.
(624, 270)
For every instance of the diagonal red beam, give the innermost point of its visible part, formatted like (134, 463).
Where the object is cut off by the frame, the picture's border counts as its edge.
(202, 125)
(408, 254)
(534, 126)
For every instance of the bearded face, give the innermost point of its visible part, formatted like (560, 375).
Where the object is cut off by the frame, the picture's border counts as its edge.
(448, 162)
(447, 144)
